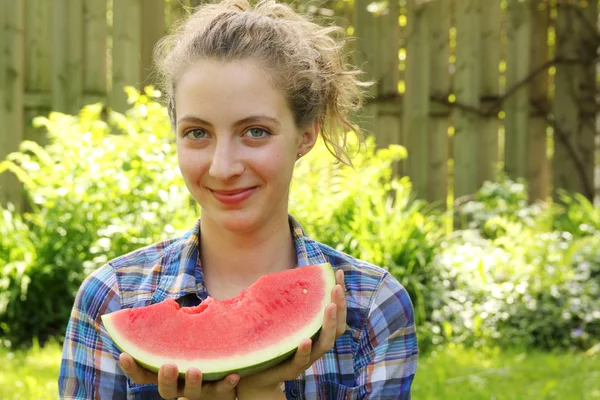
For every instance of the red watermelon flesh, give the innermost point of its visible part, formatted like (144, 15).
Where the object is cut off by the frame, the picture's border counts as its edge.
(252, 331)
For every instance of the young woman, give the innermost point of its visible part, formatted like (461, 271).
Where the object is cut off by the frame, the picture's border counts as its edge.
(250, 88)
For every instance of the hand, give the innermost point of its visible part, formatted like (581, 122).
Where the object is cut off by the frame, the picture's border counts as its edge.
(167, 376)
(266, 384)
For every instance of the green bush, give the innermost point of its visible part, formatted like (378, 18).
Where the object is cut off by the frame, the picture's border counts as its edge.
(17, 256)
(562, 308)
(512, 278)
(577, 215)
(105, 185)
(498, 202)
(367, 213)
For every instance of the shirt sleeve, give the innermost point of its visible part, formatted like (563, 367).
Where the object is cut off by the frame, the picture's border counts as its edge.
(89, 368)
(388, 351)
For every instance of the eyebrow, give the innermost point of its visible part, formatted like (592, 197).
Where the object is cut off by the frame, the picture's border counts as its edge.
(243, 121)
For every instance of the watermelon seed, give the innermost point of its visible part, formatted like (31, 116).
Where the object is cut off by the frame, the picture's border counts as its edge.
(304, 291)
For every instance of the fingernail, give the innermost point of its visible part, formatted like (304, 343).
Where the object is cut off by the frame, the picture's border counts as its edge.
(233, 381)
(193, 376)
(309, 347)
(334, 313)
(170, 371)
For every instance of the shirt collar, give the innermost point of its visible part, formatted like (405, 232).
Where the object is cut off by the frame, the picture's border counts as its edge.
(181, 272)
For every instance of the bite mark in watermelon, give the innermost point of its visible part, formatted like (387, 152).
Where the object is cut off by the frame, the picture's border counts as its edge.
(257, 329)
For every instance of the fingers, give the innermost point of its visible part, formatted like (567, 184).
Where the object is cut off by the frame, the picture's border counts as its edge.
(167, 381)
(342, 312)
(334, 319)
(135, 372)
(290, 369)
(327, 335)
(339, 278)
(302, 360)
(214, 389)
(338, 296)
(193, 384)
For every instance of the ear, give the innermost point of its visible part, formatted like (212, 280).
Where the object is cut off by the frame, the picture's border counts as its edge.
(309, 137)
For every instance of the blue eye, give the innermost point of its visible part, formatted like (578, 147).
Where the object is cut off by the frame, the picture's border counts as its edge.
(196, 133)
(257, 133)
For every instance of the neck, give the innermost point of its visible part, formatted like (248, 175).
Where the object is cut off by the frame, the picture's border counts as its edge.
(232, 261)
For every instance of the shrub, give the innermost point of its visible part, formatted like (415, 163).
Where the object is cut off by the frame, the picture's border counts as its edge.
(513, 278)
(369, 214)
(497, 202)
(105, 185)
(576, 214)
(562, 307)
(17, 256)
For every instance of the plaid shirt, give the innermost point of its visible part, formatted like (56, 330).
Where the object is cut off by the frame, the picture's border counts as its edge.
(376, 358)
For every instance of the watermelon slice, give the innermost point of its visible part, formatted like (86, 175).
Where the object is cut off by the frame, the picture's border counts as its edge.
(259, 328)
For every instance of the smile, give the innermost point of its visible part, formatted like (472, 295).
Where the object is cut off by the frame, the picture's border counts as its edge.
(234, 196)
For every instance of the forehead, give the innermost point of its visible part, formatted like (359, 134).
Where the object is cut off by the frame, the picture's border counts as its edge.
(237, 86)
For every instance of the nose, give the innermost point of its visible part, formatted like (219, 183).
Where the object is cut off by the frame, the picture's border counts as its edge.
(226, 163)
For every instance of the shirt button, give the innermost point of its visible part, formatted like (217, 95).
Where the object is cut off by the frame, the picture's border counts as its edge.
(295, 392)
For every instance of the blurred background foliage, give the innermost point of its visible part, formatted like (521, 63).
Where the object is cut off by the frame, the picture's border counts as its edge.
(494, 270)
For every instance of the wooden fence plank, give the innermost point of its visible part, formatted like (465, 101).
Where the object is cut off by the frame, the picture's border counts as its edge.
(517, 105)
(467, 89)
(127, 41)
(95, 39)
(388, 45)
(490, 87)
(416, 97)
(75, 42)
(439, 115)
(153, 28)
(60, 56)
(365, 45)
(38, 63)
(574, 105)
(12, 87)
(38, 48)
(67, 84)
(537, 165)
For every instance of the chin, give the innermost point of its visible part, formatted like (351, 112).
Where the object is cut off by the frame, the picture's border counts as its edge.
(238, 221)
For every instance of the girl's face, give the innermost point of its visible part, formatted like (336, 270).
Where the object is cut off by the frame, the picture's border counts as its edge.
(237, 143)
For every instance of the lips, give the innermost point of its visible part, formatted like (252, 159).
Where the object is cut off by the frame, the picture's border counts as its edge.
(233, 196)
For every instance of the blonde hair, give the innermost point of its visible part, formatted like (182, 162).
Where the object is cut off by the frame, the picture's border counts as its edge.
(304, 59)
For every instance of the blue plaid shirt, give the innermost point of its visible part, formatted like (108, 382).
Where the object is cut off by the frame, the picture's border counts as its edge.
(375, 359)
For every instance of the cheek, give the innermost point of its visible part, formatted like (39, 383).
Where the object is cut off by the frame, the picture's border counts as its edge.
(191, 163)
(279, 169)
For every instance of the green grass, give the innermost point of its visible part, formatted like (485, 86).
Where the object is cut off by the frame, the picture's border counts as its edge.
(455, 373)
(30, 375)
(452, 373)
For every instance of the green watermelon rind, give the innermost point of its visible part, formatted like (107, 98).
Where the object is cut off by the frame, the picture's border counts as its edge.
(216, 376)
(285, 350)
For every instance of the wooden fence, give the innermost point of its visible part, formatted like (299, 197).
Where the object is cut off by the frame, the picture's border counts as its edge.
(484, 84)
(467, 86)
